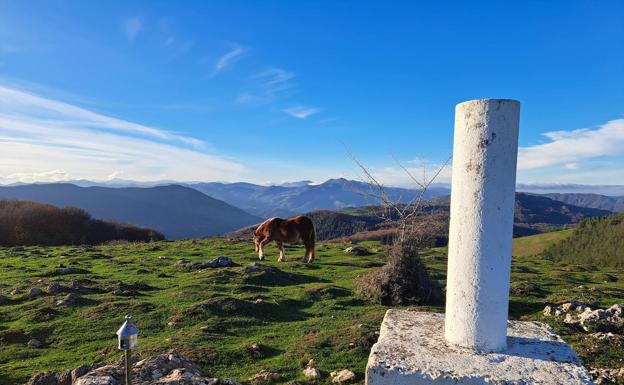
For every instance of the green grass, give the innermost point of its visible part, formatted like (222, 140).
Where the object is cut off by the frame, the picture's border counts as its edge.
(535, 244)
(211, 316)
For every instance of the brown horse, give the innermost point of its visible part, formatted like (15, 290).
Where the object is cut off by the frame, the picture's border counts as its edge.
(289, 231)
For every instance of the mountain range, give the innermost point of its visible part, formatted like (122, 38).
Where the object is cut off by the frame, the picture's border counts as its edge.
(176, 211)
(284, 201)
(595, 201)
(205, 209)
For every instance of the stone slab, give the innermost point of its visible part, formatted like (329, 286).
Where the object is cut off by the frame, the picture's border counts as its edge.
(411, 350)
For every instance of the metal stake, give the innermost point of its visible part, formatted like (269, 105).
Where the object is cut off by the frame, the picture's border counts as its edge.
(128, 367)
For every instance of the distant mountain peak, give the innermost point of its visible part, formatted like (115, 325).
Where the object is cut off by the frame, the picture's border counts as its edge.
(300, 183)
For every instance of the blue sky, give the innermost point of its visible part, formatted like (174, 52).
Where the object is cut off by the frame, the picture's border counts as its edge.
(268, 91)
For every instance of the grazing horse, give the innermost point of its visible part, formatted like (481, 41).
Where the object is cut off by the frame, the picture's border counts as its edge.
(289, 231)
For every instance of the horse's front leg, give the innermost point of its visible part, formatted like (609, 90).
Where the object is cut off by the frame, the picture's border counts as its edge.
(280, 247)
(260, 246)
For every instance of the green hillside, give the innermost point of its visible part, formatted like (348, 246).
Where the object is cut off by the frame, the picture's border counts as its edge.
(535, 244)
(596, 241)
(293, 311)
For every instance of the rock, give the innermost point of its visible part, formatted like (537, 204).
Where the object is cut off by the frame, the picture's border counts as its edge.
(34, 344)
(604, 376)
(34, 292)
(223, 261)
(169, 368)
(357, 250)
(75, 284)
(342, 377)
(185, 264)
(265, 377)
(16, 291)
(54, 287)
(617, 310)
(591, 320)
(603, 336)
(105, 375)
(311, 372)
(69, 300)
(4, 300)
(68, 271)
(45, 378)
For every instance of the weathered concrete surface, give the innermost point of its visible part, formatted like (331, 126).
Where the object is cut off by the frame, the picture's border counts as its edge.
(485, 150)
(411, 350)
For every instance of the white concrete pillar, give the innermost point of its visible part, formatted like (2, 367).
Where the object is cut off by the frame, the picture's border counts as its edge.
(485, 152)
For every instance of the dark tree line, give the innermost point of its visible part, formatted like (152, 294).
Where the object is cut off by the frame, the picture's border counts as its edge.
(594, 242)
(31, 223)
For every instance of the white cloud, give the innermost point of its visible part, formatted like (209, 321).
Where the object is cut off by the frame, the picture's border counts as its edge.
(270, 83)
(32, 177)
(132, 27)
(570, 147)
(229, 58)
(571, 166)
(46, 140)
(302, 112)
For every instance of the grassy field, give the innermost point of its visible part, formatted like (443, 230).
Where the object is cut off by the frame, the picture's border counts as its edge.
(535, 244)
(215, 315)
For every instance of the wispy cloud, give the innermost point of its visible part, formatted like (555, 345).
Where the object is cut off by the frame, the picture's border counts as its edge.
(269, 84)
(229, 58)
(302, 112)
(132, 27)
(46, 139)
(568, 148)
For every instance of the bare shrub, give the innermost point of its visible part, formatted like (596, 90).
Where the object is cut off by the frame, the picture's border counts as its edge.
(404, 280)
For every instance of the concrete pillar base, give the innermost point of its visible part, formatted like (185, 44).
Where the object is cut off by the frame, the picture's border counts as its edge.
(412, 350)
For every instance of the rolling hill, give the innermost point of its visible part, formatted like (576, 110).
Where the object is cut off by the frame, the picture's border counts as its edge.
(533, 215)
(596, 201)
(176, 211)
(287, 200)
(594, 242)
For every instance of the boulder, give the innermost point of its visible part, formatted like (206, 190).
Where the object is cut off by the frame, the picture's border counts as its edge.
(69, 300)
(34, 344)
(45, 378)
(311, 372)
(342, 377)
(16, 291)
(69, 271)
(54, 287)
(169, 368)
(357, 250)
(264, 377)
(607, 376)
(590, 319)
(34, 292)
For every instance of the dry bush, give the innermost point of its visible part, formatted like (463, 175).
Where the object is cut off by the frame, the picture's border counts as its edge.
(404, 280)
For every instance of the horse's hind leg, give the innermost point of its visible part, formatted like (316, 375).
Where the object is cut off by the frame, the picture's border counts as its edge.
(280, 247)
